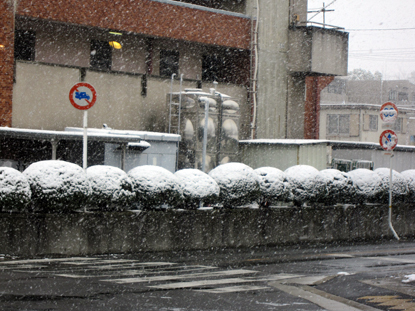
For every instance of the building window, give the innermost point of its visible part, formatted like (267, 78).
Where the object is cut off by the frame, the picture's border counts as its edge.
(373, 123)
(169, 63)
(24, 45)
(101, 55)
(392, 95)
(338, 124)
(403, 96)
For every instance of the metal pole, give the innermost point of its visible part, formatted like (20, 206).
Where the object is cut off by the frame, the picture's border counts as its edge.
(85, 149)
(123, 155)
(390, 199)
(54, 148)
(205, 134)
(171, 100)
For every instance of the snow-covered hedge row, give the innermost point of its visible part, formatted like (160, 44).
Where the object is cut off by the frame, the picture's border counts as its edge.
(60, 186)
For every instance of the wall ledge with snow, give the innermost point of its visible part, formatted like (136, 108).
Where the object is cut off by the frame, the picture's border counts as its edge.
(35, 234)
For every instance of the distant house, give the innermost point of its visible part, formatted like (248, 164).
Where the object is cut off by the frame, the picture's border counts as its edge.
(350, 110)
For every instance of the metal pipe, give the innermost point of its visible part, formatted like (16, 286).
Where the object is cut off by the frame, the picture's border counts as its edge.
(171, 99)
(205, 133)
(54, 148)
(390, 200)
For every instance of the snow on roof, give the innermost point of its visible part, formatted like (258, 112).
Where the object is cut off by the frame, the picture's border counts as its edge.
(152, 136)
(68, 135)
(284, 141)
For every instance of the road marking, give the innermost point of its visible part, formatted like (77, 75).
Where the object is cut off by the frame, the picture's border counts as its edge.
(202, 283)
(179, 277)
(340, 255)
(232, 289)
(74, 259)
(391, 259)
(113, 273)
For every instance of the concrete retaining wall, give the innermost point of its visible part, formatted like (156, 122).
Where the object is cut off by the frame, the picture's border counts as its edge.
(173, 230)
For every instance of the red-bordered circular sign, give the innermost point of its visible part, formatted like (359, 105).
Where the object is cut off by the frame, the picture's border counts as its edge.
(82, 96)
(388, 112)
(388, 140)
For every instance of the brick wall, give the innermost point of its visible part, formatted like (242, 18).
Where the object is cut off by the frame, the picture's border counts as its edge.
(314, 86)
(6, 62)
(145, 17)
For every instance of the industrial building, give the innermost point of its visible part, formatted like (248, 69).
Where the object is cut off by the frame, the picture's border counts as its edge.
(263, 54)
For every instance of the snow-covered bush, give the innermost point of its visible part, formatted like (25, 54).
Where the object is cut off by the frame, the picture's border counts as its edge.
(399, 186)
(57, 185)
(302, 179)
(273, 185)
(14, 189)
(238, 184)
(155, 187)
(367, 185)
(409, 176)
(111, 187)
(197, 187)
(335, 187)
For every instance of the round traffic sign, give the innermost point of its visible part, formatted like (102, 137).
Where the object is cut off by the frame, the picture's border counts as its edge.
(388, 112)
(82, 96)
(388, 140)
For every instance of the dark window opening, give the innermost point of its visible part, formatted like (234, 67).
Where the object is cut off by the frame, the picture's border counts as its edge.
(24, 45)
(169, 63)
(101, 55)
(211, 68)
(226, 65)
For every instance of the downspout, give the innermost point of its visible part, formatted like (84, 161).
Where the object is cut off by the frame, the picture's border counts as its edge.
(254, 82)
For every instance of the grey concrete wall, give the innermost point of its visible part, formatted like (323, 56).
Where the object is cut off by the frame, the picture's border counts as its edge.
(174, 230)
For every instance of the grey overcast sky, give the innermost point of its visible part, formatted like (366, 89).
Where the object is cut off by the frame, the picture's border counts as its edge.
(381, 33)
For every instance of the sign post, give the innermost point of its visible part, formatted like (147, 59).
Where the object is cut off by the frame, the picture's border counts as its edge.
(388, 141)
(83, 96)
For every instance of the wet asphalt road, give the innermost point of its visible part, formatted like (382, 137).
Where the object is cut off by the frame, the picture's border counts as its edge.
(318, 277)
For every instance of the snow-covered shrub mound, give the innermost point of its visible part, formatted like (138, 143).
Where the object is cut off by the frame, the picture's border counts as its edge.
(111, 187)
(14, 189)
(238, 183)
(335, 187)
(273, 185)
(409, 176)
(197, 187)
(367, 185)
(302, 179)
(57, 185)
(399, 186)
(155, 187)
